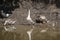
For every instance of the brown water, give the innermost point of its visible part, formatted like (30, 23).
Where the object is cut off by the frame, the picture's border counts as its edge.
(21, 33)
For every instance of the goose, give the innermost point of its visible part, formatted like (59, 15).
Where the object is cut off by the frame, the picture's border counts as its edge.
(29, 18)
(9, 28)
(9, 21)
(29, 33)
(43, 19)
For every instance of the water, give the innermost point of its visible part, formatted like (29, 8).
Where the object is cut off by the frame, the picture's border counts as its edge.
(33, 33)
(29, 33)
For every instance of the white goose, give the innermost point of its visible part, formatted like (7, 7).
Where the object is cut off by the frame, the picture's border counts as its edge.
(44, 19)
(29, 33)
(9, 21)
(29, 18)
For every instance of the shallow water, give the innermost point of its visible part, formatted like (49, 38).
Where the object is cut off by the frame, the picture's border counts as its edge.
(21, 33)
